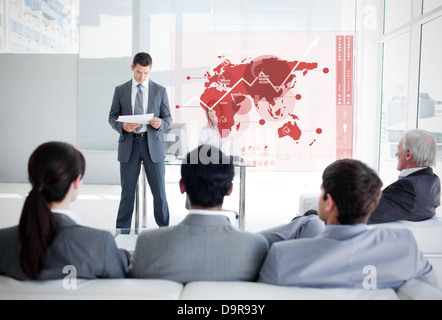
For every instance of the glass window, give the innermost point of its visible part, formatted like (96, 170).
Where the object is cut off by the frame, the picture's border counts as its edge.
(394, 103)
(397, 13)
(106, 29)
(412, 96)
(51, 23)
(200, 46)
(430, 93)
(431, 4)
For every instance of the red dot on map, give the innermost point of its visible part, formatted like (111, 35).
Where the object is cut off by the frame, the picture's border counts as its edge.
(188, 78)
(326, 70)
(319, 131)
(177, 106)
(298, 97)
(262, 122)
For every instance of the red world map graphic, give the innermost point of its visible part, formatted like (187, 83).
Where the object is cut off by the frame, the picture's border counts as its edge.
(264, 83)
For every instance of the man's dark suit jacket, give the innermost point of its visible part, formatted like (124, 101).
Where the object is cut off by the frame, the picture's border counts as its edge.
(413, 198)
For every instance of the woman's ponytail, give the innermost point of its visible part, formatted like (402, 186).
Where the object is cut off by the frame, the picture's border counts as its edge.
(52, 168)
(37, 229)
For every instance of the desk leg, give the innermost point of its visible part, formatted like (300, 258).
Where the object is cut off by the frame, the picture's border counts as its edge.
(140, 199)
(242, 198)
(137, 205)
(143, 183)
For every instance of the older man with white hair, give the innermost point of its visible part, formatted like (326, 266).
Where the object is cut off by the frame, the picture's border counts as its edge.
(416, 195)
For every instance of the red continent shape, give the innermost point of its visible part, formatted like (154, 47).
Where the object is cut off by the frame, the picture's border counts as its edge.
(291, 130)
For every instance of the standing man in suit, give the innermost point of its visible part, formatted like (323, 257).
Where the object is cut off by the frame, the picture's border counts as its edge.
(204, 246)
(141, 143)
(348, 254)
(416, 195)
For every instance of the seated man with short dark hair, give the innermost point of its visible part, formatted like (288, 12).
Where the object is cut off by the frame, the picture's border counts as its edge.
(204, 246)
(348, 254)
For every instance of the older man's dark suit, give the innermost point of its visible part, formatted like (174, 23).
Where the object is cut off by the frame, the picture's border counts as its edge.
(413, 198)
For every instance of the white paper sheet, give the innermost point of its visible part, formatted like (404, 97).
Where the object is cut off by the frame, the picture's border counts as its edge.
(138, 118)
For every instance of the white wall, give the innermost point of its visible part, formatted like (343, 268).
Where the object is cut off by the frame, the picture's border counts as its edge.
(38, 103)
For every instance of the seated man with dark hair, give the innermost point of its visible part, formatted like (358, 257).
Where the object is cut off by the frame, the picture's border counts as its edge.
(348, 254)
(204, 246)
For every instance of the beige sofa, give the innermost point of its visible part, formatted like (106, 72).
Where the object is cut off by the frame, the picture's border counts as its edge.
(144, 289)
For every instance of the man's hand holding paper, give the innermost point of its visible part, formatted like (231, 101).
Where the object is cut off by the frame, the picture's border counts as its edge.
(131, 122)
(130, 127)
(138, 118)
(155, 123)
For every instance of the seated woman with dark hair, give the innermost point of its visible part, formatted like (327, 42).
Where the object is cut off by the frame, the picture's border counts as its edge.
(49, 237)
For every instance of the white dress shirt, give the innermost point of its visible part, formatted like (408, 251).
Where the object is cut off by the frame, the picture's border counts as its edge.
(70, 214)
(407, 172)
(207, 212)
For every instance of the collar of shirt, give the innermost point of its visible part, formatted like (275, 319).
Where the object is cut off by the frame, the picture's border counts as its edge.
(207, 212)
(343, 232)
(341, 226)
(407, 172)
(145, 90)
(135, 84)
(69, 214)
